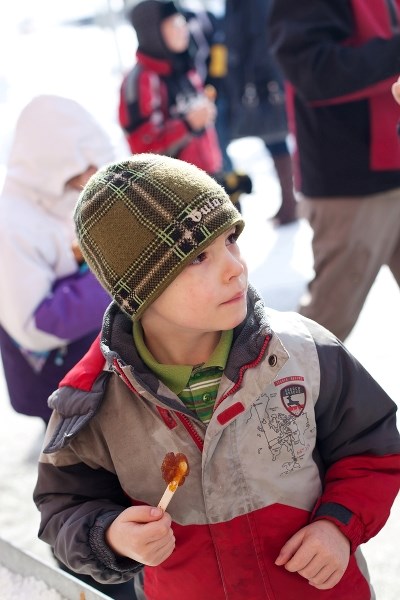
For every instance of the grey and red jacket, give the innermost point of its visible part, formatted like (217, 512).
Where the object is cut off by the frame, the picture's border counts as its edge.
(300, 432)
(154, 98)
(340, 59)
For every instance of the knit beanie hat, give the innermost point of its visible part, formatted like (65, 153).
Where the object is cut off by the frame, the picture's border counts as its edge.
(141, 221)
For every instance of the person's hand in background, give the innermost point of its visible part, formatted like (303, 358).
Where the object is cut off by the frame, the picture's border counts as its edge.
(76, 251)
(396, 91)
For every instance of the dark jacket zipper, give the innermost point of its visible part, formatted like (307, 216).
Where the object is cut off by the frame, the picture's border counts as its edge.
(394, 15)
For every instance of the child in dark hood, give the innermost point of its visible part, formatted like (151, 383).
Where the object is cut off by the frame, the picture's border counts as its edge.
(152, 21)
(164, 108)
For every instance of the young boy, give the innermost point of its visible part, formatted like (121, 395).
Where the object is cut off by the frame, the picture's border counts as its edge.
(163, 106)
(293, 450)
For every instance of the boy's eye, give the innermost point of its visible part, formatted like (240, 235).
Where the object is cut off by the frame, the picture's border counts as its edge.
(232, 238)
(199, 259)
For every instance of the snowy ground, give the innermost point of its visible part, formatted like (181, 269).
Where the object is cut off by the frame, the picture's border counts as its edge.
(40, 56)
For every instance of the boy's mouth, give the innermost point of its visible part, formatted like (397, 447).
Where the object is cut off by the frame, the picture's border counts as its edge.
(236, 297)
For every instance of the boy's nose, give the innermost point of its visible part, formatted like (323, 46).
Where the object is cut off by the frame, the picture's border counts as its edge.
(234, 266)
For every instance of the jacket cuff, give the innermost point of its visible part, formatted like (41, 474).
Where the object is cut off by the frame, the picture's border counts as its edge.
(102, 550)
(348, 523)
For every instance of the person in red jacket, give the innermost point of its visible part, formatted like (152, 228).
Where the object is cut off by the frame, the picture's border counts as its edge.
(341, 59)
(164, 107)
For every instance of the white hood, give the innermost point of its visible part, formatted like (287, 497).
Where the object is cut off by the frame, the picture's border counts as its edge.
(55, 139)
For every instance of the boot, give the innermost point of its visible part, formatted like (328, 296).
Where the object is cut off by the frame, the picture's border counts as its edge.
(288, 210)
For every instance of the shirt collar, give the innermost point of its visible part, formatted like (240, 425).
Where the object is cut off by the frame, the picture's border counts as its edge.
(175, 377)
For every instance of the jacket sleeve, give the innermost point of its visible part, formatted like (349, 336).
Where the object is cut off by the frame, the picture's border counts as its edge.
(74, 523)
(358, 442)
(39, 309)
(143, 114)
(77, 503)
(311, 42)
(74, 307)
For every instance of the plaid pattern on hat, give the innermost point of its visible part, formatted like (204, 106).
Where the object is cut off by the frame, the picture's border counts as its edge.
(141, 221)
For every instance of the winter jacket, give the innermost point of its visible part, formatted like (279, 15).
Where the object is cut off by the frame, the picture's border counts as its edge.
(50, 308)
(341, 59)
(300, 431)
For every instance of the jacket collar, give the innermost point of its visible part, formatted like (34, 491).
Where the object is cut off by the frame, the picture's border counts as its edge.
(77, 400)
(248, 339)
(158, 65)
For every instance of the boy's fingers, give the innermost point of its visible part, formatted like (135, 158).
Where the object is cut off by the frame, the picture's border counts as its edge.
(300, 560)
(143, 514)
(289, 549)
(157, 531)
(316, 572)
(329, 583)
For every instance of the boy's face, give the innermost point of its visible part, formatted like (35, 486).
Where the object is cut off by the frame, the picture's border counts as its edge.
(209, 295)
(175, 33)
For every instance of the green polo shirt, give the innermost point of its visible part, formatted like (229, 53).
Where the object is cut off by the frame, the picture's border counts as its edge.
(196, 386)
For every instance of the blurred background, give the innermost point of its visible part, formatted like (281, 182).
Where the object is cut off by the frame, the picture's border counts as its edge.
(69, 47)
(81, 49)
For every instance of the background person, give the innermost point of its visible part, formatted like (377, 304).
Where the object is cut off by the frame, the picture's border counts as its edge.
(249, 56)
(163, 106)
(51, 306)
(341, 59)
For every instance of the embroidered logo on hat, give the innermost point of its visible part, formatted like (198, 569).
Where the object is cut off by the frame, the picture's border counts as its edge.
(197, 215)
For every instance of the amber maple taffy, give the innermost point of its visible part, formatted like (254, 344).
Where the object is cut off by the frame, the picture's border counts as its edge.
(174, 469)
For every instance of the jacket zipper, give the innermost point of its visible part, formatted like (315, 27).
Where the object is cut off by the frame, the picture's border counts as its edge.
(393, 15)
(242, 371)
(183, 418)
(124, 378)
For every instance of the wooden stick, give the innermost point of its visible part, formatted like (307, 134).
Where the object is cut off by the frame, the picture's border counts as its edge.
(167, 496)
(173, 485)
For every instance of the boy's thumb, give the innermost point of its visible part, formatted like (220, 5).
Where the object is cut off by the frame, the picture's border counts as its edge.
(144, 514)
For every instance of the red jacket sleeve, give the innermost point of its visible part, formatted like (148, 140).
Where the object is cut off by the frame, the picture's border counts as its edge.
(332, 52)
(358, 494)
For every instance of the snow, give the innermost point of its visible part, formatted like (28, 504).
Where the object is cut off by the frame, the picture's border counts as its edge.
(13, 585)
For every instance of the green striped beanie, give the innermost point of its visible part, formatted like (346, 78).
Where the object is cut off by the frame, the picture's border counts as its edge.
(140, 221)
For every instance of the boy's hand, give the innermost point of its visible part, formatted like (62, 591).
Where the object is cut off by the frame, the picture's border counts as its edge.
(319, 552)
(142, 533)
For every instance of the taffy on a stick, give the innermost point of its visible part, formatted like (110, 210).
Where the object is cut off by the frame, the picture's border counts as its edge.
(174, 469)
